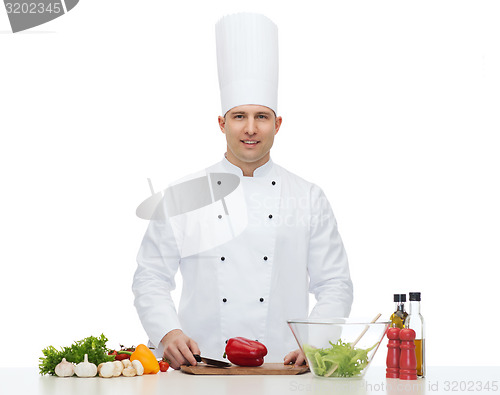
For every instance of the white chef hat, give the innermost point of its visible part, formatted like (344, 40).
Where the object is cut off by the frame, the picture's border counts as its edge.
(247, 60)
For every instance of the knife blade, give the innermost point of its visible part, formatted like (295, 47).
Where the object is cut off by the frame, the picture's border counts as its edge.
(212, 362)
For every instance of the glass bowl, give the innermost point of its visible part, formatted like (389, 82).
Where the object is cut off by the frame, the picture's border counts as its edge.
(338, 347)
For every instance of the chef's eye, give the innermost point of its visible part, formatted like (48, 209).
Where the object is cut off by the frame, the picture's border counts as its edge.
(262, 116)
(238, 116)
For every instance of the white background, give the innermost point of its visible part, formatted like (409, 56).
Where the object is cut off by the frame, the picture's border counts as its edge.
(391, 107)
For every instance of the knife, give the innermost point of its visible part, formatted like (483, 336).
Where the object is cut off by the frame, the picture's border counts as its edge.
(212, 362)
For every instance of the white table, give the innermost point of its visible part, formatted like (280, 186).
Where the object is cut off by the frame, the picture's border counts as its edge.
(439, 380)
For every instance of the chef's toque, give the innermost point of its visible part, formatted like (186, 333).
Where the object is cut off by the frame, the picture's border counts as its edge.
(247, 60)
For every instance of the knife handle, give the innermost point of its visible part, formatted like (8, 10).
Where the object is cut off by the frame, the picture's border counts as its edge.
(197, 357)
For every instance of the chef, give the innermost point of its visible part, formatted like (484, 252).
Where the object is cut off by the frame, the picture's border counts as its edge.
(262, 240)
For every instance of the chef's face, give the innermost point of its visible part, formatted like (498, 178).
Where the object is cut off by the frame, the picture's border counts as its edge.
(250, 131)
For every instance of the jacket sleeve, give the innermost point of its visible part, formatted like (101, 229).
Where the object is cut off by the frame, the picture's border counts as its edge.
(329, 277)
(157, 263)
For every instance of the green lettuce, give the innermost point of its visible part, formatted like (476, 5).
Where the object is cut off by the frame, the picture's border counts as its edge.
(339, 360)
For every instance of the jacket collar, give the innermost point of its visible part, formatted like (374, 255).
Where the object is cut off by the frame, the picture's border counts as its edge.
(261, 171)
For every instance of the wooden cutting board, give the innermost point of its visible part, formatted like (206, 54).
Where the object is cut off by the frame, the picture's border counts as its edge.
(267, 368)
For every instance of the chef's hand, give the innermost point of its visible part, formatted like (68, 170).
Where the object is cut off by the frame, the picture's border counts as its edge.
(179, 349)
(296, 356)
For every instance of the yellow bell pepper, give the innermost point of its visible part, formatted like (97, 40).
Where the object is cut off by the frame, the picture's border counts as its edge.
(146, 357)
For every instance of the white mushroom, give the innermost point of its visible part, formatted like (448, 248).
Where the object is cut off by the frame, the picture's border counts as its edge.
(126, 363)
(138, 367)
(107, 369)
(118, 368)
(129, 372)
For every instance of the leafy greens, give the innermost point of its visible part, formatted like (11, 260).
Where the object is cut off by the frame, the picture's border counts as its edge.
(94, 347)
(340, 360)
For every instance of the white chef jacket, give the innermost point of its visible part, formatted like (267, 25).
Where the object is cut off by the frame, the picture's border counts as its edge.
(252, 284)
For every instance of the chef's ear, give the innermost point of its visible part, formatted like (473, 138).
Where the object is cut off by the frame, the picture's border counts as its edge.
(277, 124)
(222, 123)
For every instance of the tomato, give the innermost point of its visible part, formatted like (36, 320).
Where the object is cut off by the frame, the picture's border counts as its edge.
(164, 365)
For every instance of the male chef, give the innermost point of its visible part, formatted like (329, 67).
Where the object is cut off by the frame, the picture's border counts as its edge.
(255, 239)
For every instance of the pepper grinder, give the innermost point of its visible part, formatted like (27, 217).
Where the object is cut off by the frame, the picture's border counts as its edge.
(408, 359)
(393, 353)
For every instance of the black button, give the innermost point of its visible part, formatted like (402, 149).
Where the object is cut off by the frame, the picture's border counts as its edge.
(224, 300)
(220, 216)
(222, 258)
(265, 258)
(270, 215)
(227, 341)
(218, 182)
(261, 299)
(274, 183)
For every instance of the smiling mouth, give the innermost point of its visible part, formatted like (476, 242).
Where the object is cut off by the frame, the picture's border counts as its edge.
(249, 142)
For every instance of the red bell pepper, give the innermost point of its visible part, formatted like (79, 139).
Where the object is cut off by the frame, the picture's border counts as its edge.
(121, 355)
(245, 352)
